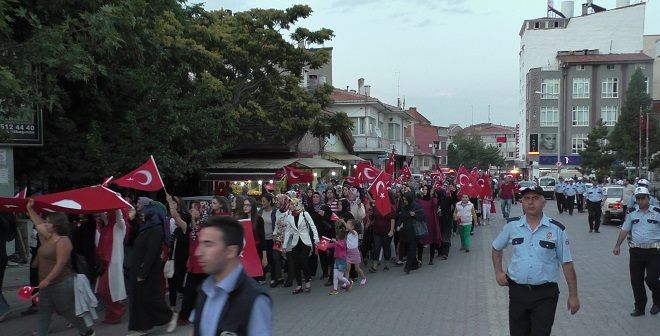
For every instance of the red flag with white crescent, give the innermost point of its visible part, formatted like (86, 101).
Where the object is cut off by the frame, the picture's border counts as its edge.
(405, 172)
(280, 174)
(146, 177)
(379, 192)
(466, 182)
(249, 256)
(389, 165)
(295, 175)
(94, 199)
(365, 172)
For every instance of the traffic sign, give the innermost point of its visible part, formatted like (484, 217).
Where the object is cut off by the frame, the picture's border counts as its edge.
(558, 164)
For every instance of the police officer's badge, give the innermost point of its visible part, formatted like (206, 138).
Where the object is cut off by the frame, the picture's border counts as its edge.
(548, 236)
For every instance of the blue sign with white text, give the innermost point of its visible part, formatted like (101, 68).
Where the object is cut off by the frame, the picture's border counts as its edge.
(566, 160)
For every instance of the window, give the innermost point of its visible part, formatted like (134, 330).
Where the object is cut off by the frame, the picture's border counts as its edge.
(358, 126)
(580, 67)
(426, 162)
(556, 24)
(443, 145)
(509, 154)
(381, 125)
(393, 131)
(537, 25)
(550, 89)
(646, 81)
(609, 114)
(549, 116)
(577, 143)
(610, 67)
(499, 145)
(580, 115)
(610, 88)
(415, 162)
(580, 87)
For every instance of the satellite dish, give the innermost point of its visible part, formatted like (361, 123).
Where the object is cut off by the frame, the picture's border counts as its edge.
(378, 132)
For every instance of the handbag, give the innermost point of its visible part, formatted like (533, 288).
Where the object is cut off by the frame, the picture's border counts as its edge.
(168, 269)
(421, 230)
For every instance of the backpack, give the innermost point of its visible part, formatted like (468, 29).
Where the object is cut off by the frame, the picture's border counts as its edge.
(8, 226)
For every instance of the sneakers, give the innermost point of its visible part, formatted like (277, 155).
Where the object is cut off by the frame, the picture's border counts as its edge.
(137, 333)
(363, 282)
(333, 292)
(173, 322)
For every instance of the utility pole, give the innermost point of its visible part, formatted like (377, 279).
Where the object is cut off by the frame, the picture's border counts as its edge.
(489, 113)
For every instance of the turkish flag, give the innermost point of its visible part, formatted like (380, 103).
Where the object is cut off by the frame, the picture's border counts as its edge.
(280, 174)
(389, 165)
(405, 172)
(379, 192)
(17, 203)
(94, 199)
(146, 177)
(437, 175)
(352, 181)
(22, 193)
(486, 189)
(295, 175)
(468, 185)
(249, 257)
(365, 172)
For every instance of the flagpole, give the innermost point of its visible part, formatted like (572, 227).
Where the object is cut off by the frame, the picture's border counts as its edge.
(639, 152)
(647, 145)
(158, 172)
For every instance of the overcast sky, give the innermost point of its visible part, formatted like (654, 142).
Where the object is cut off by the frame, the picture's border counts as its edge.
(446, 57)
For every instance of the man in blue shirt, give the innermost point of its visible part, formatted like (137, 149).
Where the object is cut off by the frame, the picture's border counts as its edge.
(595, 196)
(643, 225)
(540, 245)
(559, 194)
(581, 189)
(569, 193)
(228, 302)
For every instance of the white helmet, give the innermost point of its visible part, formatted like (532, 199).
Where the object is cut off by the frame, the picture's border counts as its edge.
(641, 191)
(579, 178)
(643, 181)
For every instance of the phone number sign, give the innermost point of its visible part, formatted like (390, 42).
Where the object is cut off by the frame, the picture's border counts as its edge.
(22, 131)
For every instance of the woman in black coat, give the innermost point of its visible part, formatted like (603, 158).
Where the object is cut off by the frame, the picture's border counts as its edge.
(409, 212)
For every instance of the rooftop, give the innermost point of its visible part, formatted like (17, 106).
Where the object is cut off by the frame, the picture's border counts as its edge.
(605, 58)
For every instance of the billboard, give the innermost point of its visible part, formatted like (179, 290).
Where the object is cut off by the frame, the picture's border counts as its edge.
(548, 142)
(23, 128)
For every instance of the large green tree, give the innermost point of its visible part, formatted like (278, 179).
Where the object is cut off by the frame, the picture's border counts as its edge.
(470, 151)
(624, 138)
(595, 158)
(120, 80)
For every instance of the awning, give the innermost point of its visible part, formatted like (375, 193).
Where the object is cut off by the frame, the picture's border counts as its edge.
(343, 156)
(247, 164)
(318, 163)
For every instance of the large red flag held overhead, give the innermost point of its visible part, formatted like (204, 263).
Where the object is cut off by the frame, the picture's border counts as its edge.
(468, 186)
(146, 177)
(405, 172)
(94, 199)
(249, 257)
(365, 172)
(379, 192)
(295, 175)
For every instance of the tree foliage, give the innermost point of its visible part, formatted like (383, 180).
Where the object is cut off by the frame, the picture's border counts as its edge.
(624, 138)
(595, 158)
(328, 124)
(120, 80)
(470, 151)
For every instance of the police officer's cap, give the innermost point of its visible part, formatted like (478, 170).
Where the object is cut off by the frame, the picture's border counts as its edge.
(643, 182)
(639, 191)
(530, 189)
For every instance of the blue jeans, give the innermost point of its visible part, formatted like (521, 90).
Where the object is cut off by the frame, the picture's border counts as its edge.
(58, 297)
(506, 207)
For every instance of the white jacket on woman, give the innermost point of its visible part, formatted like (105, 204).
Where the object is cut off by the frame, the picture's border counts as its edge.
(294, 232)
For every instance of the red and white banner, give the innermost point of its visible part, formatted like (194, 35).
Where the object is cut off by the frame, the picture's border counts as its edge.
(295, 175)
(94, 199)
(146, 177)
(365, 173)
(249, 257)
(379, 192)
(389, 165)
(467, 184)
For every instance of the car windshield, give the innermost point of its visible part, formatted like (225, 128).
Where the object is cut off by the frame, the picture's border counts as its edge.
(614, 192)
(526, 184)
(547, 182)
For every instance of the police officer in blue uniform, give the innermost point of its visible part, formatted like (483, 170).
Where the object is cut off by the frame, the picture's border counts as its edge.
(632, 204)
(540, 246)
(581, 189)
(559, 194)
(643, 225)
(570, 190)
(595, 196)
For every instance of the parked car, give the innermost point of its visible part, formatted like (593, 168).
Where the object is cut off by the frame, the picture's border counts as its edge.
(547, 183)
(520, 185)
(612, 205)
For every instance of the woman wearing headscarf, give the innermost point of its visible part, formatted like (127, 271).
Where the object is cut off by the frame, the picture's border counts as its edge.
(321, 214)
(430, 206)
(409, 212)
(300, 238)
(446, 201)
(281, 214)
(356, 206)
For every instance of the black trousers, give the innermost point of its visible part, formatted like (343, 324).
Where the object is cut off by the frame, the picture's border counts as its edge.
(594, 215)
(560, 202)
(409, 249)
(532, 309)
(193, 281)
(645, 261)
(420, 250)
(301, 262)
(580, 202)
(570, 203)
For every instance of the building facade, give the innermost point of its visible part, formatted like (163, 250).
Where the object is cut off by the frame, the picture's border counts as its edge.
(499, 136)
(429, 142)
(616, 31)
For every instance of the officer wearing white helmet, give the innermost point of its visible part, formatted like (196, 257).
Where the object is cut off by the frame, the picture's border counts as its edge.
(581, 188)
(643, 225)
(632, 204)
(570, 190)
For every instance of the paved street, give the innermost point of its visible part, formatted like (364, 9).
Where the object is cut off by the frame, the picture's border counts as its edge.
(454, 297)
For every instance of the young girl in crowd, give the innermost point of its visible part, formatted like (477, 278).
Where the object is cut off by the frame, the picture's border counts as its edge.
(339, 245)
(465, 216)
(353, 256)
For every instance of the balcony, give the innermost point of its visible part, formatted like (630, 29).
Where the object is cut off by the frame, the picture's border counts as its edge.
(371, 144)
